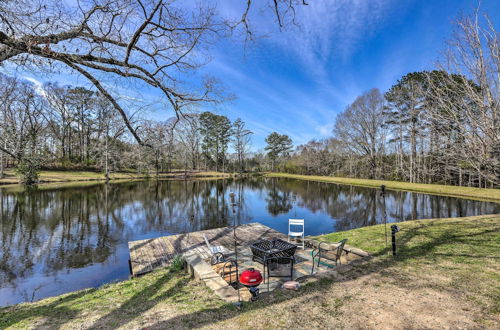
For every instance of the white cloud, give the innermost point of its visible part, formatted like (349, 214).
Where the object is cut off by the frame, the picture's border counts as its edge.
(38, 85)
(325, 130)
(333, 30)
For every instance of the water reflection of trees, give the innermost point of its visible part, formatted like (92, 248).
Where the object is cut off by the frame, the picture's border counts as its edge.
(278, 201)
(354, 207)
(193, 205)
(53, 230)
(57, 229)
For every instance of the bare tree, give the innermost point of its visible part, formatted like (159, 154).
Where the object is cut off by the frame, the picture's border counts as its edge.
(188, 134)
(22, 125)
(109, 130)
(7, 103)
(474, 110)
(61, 117)
(160, 136)
(22, 120)
(360, 127)
(241, 142)
(320, 157)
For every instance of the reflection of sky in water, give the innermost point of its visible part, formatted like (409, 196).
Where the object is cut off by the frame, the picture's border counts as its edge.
(60, 240)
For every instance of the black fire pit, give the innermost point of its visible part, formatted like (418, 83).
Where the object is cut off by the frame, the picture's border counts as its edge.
(276, 247)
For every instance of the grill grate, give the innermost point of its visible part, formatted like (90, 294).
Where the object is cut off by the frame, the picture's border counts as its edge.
(276, 247)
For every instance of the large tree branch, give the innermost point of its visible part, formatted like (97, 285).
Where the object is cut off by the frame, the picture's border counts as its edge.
(7, 52)
(138, 32)
(10, 153)
(148, 77)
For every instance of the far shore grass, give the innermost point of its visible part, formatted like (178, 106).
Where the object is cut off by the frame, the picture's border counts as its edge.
(445, 276)
(73, 176)
(85, 177)
(483, 194)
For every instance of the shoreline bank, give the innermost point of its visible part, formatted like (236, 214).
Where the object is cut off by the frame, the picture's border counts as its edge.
(88, 176)
(481, 194)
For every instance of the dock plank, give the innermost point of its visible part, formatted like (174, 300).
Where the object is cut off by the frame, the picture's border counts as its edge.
(147, 260)
(158, 253)
(133, 257)
(168, 245)
(165, 250)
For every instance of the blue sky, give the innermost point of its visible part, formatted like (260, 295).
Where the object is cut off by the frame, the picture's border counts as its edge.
(296, 81)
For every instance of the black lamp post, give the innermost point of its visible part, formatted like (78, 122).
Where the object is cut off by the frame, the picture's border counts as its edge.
(394, 230)
(384, 212)
(233, 204)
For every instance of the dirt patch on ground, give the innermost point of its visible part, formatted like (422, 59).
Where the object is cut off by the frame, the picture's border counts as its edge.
(371, 301)
(378, 304)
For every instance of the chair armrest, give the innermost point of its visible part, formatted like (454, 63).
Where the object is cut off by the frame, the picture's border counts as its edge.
(314, 253)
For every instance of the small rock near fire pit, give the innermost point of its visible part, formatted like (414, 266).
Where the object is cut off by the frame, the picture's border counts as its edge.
(291, 285)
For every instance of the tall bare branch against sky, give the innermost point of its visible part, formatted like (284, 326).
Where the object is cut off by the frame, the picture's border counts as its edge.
(156, 43)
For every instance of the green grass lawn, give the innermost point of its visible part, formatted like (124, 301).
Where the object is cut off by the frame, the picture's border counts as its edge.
(436, 189)
(447, 275)
(114, 304)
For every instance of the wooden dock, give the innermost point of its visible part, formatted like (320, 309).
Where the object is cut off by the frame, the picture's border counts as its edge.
(150, 254)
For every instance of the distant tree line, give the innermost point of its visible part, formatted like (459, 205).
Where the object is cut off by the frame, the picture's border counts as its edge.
(429, 127)
(65, 127)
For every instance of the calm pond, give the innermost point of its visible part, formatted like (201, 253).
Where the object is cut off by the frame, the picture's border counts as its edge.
(56, 240)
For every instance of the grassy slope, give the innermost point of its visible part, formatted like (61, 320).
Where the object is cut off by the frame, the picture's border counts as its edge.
(68, 176)
(437, 189)
(448, 266)
(463, 249)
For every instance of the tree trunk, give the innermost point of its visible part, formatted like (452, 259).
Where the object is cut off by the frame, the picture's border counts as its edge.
(106, 159)
(1, 165)
(413, 155)
(157, 163)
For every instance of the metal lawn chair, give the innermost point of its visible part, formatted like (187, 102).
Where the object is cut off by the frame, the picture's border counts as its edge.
(327, 254)
(279, 267)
